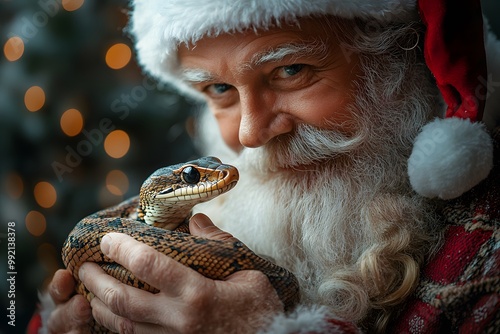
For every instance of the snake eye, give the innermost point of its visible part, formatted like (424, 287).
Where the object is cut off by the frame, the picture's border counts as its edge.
(190, 175)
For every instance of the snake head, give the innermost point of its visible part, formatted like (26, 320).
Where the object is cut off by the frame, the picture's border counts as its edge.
(182, 186)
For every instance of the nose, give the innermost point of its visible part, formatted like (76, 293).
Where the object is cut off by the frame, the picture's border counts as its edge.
(261, 119)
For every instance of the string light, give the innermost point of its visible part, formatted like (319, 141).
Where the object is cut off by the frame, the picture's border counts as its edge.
(14, 185)
(34, 99)
(13, 49)
(36, 223)
(118, 56)
(117, 144)
(45, 194)
(117, 182)
(71, 5)
(71, 122)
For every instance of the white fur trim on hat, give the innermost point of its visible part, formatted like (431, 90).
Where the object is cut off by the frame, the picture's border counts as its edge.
(159, 26)
(450, 156)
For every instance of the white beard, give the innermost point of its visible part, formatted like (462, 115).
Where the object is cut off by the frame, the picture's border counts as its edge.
(321, 212)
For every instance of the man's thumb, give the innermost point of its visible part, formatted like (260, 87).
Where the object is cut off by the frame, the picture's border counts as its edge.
(201, 226)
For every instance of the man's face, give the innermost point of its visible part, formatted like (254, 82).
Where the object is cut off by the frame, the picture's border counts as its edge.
(260, 86)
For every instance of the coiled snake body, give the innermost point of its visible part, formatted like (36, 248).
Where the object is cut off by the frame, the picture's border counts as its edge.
(158, 218)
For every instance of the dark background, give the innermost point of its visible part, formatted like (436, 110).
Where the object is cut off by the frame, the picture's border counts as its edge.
(64, 54)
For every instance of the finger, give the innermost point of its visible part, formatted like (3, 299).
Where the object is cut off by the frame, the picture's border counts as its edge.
(201, 226)
(75, 314)
(149, 265)
(121, 299)
(108, 319)
(123, 308)
(62, 286)
(117, 324)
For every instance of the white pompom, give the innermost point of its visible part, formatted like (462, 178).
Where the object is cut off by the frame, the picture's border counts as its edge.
(450, 156)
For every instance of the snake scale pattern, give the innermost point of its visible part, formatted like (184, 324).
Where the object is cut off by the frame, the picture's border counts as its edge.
(158, 217)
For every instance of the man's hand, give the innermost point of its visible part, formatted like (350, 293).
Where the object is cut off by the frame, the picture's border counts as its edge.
(71, 315)
(187, 302)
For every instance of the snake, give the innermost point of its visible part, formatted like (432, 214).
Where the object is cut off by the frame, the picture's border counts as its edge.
(159, 217)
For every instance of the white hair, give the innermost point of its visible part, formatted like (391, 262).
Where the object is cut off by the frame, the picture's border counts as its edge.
(348, 225)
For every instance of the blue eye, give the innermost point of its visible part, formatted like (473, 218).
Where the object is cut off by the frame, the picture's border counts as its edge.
(293, 69)
(218, 88)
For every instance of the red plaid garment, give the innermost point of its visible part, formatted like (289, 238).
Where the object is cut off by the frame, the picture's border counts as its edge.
(460, 287)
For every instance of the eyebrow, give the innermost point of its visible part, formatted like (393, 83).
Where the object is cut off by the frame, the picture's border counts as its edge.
(316, 48)
(195, 75)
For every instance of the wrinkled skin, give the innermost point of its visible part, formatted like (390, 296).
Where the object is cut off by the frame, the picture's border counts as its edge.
(187, 302)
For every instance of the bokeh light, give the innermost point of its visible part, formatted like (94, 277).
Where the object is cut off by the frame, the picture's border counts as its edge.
(117, 182)
(13, 49)
(45, 194)
(118, 56)
(35, 223)
(60, 49)
(117, 144)
(34, 99)
(71, 5)
(71, 122)
(14, 185)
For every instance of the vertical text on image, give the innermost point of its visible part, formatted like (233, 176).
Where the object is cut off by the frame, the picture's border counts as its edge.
(11, 273)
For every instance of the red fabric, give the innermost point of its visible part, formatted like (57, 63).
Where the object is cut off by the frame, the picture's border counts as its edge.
(484, 311)
(454, 52)
(35, 324)
(419, 317)
(460, 247)
(339, 326)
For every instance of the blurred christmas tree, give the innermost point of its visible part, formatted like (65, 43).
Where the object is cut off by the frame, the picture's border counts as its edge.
(80, 129)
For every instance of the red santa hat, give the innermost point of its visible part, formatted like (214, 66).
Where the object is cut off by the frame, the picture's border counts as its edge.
(450, 155)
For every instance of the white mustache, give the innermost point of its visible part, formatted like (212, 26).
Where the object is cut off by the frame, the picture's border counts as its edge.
(305, 146)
